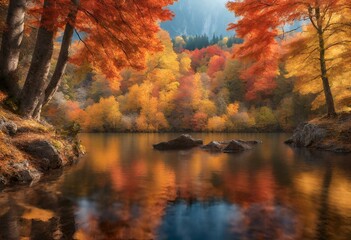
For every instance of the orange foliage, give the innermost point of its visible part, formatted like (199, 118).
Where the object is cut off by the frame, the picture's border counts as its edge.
(215, 65)
(199, 121)
(216, 123)
(203, 56)
(119, 34)
(3, 96)
(259, 26)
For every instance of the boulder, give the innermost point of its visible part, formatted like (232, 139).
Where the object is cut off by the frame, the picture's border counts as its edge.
(250, 142)
(23, 173)
(306, 135)
(235, 146)
(46, 155)
(183, 142)
(8, 127)
(213, 146)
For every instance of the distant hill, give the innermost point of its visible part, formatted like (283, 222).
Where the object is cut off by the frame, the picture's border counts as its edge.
(198, 17)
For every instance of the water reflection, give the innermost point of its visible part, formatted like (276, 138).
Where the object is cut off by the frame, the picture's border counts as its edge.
(126, 190)
(39, 212)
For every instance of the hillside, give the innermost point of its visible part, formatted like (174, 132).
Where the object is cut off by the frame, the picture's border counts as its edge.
(29, 149)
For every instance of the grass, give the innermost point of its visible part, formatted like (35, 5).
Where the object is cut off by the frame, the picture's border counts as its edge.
(28, 131)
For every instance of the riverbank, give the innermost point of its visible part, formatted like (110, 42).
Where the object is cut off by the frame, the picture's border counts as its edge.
(29, 149)
(330, 134)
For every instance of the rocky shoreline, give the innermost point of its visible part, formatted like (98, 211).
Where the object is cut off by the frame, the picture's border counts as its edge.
(29, 149)
(329, 134)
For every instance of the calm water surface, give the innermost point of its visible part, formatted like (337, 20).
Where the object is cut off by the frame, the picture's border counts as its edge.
(123, 189)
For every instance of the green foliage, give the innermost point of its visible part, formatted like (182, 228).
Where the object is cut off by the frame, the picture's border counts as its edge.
(265, 118)
(203, 41)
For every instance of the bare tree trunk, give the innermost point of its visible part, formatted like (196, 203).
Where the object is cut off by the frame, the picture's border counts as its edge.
(10, 46)
(326, 86)
(40, 65)
(61, 62)
(324, 72)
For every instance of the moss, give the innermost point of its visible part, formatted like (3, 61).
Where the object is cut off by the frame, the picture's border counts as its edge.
(12, 152)
(57, 144)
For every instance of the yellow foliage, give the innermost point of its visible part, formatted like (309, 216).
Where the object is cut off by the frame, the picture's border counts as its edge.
(216, 123)
(208, 107)
(304, 64)
(233, 109)
(184, 63)
(103, 116)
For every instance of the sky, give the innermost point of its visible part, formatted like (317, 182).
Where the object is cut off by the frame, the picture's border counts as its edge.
(196, 17)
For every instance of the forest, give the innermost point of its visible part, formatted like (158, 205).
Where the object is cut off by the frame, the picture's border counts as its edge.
(86, 71)
(175, 119)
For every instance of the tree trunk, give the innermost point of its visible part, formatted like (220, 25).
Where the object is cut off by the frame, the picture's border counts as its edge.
(61, 62)
(10, 46)
(324, 72)
(326, 86)
(40, 65)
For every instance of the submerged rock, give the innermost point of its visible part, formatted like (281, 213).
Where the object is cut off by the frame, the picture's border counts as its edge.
(183, 142)
(235, 146)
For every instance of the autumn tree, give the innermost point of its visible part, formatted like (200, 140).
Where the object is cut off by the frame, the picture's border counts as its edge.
(61, 64)
(41, 59)
(117, 35)
(10, 46)
(338, 63)
(261, 47)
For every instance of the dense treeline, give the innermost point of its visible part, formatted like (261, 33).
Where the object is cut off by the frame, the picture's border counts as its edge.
(189, 91)
(116, 35)
(124, 74)
(191, 43)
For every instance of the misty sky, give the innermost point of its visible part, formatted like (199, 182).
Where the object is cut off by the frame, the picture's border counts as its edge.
(199, 17)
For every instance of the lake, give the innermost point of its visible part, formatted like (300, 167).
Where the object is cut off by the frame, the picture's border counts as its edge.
(124, 189)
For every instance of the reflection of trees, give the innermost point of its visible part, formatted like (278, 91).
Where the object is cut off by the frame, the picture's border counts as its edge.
(323, 211)
(267, 221)
(9, 222)
(127, 191)
(38, 212)
(132, 194)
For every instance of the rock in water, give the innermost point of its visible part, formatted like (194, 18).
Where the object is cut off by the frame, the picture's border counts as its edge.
(213, 146)
(325, 133)
(183, 142)
(235, 146)
(306, 135)
(250, 142)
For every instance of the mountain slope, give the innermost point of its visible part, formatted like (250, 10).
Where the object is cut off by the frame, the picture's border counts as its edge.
(196, 17)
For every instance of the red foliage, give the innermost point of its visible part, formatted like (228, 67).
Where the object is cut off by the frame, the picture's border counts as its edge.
(202, 57)
(119, 33)
(115, 34)
(259, 26)
(199, 121)
(216, 64)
